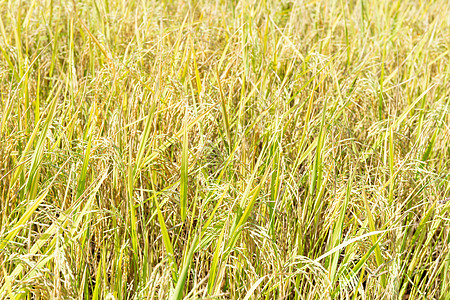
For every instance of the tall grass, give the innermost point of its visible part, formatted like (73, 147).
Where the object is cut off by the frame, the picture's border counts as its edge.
(224, 149)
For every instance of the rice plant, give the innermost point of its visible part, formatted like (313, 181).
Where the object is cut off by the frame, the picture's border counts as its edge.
(224, 149)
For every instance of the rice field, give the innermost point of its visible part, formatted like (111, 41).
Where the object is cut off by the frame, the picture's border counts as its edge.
(225, 149)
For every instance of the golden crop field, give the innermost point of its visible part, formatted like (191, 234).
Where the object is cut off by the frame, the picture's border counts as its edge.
(224, 149)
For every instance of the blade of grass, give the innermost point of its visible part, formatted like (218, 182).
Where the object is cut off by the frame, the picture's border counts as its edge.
(165, 236)
(178, 292)
(184, 170)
